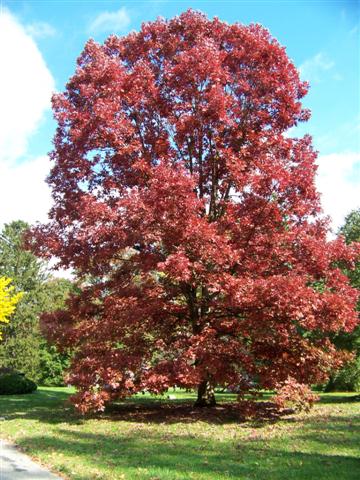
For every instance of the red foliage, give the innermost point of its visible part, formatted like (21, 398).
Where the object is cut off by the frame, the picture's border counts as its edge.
(295, 395)
(191, 219)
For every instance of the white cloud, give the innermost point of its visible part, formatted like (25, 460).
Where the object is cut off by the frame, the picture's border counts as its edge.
(24, 195)
(26, 85)
(313, 68)
(111, 21)
(40, 30)
(338, 180)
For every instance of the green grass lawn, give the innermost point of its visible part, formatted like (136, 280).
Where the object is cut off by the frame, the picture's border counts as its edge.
(147, 439)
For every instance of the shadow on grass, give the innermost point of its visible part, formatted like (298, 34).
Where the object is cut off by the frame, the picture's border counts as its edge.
(339, 398)
(51, 406)
(168, 456)
(262, 412)
(54, 407)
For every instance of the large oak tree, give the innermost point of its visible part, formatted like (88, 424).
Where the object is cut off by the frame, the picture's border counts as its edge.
(192, 220)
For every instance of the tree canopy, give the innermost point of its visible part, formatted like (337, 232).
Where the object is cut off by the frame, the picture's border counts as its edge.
(351, 227)
(178, 193)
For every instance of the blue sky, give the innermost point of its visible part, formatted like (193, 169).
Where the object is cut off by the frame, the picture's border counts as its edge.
(44, 38)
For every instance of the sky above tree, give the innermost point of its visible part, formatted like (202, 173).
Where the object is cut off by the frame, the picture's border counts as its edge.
(43, 40)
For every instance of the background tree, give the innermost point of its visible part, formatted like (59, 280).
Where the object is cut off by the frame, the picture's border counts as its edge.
(351, 231)
(175, 188)
(8, 300)
(348, 378)
(23, 347)
(54, 364)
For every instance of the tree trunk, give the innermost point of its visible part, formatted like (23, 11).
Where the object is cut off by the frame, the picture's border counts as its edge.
(205, 395)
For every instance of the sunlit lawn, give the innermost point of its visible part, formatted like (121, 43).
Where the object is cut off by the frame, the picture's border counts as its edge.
(162, 439)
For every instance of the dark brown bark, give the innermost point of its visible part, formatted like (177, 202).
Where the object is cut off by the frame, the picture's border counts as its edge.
(205, 395)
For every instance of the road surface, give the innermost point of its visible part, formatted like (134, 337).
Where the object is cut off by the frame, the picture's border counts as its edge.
(14, 465)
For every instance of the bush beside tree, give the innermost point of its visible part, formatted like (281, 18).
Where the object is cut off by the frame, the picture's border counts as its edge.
(14, 383)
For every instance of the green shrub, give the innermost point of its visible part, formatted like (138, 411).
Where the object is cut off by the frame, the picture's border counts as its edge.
(53, 366)
(347, 379)
(15, 383)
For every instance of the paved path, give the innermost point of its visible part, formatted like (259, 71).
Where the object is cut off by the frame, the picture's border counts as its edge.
(17, 466)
